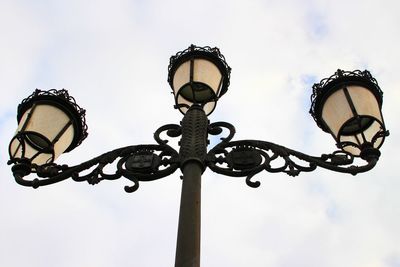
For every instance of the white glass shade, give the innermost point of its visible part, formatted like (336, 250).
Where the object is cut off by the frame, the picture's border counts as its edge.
(354, 119)
(197, 81)
(44, 132)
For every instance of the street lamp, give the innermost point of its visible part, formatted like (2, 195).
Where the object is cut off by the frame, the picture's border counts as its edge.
(348, 105)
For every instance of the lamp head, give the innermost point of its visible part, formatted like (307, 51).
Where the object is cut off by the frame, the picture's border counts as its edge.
(198, 76)
(349, 106)
(49, 124)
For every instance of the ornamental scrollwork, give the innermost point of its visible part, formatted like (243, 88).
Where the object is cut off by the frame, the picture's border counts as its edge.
(246, 158)
(140, 163)
(136, 163)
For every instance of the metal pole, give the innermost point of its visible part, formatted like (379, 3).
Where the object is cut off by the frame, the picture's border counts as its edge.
(188, 242)
(192, 153)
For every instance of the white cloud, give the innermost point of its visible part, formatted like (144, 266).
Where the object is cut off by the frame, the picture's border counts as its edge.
(113, 58)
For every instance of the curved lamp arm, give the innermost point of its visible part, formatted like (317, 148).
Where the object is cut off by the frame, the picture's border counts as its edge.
(136, 163)
(246, 158)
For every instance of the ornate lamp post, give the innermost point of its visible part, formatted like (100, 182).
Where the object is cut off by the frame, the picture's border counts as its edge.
(347, 105)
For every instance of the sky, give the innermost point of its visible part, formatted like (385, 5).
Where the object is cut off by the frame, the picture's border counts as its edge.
(113, 56)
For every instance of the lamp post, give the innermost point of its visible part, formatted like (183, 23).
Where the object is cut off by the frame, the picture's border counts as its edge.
(347, 105)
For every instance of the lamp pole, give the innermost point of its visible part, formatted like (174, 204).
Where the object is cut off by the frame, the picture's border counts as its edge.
(348, 105)
(193, 151)
(188, 240)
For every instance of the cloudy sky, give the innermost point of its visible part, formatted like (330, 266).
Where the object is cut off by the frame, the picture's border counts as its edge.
(112, 56)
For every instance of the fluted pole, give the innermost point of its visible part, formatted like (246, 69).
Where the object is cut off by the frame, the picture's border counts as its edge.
(193, 150)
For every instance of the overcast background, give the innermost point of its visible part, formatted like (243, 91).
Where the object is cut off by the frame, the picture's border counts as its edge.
(112, 56)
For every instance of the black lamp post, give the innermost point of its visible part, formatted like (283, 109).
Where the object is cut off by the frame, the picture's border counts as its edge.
(347, 105)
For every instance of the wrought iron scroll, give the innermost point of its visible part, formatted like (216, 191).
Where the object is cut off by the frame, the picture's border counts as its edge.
(243, 158)
(135, 163)
(172, 130)
(216, 128)
(246, 158)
